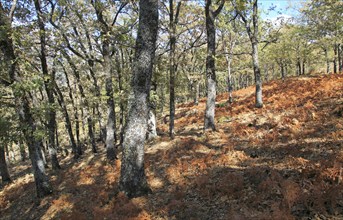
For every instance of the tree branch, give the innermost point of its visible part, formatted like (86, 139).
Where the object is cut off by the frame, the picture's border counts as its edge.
(10, 15)
(238, 54)
(176, 20)
(118, 12)
(220, 7)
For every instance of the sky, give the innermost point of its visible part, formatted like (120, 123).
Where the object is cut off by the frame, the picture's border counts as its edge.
(284, 8)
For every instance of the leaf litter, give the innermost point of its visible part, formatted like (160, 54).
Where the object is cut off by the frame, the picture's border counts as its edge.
(284, 161)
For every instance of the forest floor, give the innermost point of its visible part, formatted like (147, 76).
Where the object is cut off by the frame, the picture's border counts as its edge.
(284, 161)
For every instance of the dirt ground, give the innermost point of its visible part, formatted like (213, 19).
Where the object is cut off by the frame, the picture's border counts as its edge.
(283, 161)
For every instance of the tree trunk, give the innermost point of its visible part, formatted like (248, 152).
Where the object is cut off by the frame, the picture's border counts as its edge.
(3, 167)
(133, 180)
(303, 71)
(42, 151)
(7, 152)
(27, 123)
(258, 78)
(210, 64)
(282, 71)
(335, 59)
(68, 124)
(298, 67)
(48, 84)
(327, 61)
(229, 77)
(111, 138)
(253, 36)
(121, 90)
(43, 186)
(91, 134)
(111, 118)
(151, 133)
(339, 54)
(86, 110)
(76, 113)
(173, 19)
(97, 109)
(22, 150)
(257, 71)
(197, 92)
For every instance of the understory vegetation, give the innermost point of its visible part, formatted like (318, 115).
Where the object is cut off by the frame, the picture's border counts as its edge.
(171, 109)
(280, 162)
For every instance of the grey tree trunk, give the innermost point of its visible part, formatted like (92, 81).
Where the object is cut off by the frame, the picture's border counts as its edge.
(253, 35)
(22, 150)
(3, 167)
(327, 61)
(151, 133)
(107, 68)
(197, 92)
(121, 89)
(132, 179)
(173, 20)
(27, 123)
(86, 111)
(111, 117)
(76, 113)
(257, 71)
(210, 64)
(48, 84)
(68, 124)
(335, 59)
(228, 58)
(298, 67)
(340, 60)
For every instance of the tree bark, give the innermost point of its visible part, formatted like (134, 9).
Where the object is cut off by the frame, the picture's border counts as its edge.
(173, 19)
(76, 113)
(48, 84)
(340, 60)
(27, 123)
(111, 138)
(68, 124)
(86, 110)
(210, 64)
(121, 90)
(197, 92)
(257, 71)
(327, 61)
(151, 132)
(3, 167)
(282, 71)
(133, 180)
(253, 35)
(228, 58)
(22, 150)
(335, 59)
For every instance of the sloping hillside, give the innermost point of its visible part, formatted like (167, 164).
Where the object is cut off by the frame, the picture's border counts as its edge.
(284, 161)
